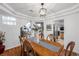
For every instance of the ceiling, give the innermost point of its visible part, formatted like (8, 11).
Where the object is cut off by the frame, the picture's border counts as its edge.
(32, 9)
(4, 13)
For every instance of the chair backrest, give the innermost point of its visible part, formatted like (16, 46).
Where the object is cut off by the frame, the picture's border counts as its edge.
(50, 36)
(60, 50)
(28, 47)
(71, 46)
(21, 40)
(41, 36)
(22, 44)
(61, 36)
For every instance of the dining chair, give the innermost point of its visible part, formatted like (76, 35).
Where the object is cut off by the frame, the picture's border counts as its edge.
(61, 36)
(29, 49)
(22, 45)
(69, 50)
(60, 50)
(70, 46)
(50, 36)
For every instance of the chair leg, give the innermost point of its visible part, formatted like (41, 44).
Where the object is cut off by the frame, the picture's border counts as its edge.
(21, 51)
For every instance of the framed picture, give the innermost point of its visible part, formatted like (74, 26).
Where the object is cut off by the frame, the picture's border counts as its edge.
(49, 27)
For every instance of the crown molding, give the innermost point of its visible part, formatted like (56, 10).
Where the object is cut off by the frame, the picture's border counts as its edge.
(58, 14)
(65, 12)
(4, 9)
(10, 11)
(17, 13)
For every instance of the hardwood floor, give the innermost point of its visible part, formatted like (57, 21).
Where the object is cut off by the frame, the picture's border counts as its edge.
(16, 51)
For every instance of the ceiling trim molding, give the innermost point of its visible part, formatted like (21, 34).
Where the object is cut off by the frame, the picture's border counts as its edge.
(61, 13)
(4, 9)
(10, 12)
(15, 12)
(65, 12)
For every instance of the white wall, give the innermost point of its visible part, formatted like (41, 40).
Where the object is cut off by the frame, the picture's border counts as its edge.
(71, 24)
(71, 31)
(12, 33)
(47, 22)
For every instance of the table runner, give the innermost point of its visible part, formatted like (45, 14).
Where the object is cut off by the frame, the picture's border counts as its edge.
(45, 44)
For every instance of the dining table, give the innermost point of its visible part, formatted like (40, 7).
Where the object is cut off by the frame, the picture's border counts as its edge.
(44, 47)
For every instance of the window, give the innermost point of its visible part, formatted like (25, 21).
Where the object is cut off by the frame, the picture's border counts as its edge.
(8, 20)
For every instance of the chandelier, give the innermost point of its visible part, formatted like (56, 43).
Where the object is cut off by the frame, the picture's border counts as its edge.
(43, 11)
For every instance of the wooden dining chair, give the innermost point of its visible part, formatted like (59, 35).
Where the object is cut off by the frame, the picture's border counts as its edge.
(29, 49)
(60, 50)
(71, 46)
(22, 45)
(41, 36)
(61, 35)
(69, 50)
(50, 36)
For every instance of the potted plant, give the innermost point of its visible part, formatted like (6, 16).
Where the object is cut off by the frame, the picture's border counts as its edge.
(2, 47)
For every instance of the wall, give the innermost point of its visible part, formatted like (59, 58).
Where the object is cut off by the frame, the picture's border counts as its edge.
(12, 33)
(71, 32)
(47, 22)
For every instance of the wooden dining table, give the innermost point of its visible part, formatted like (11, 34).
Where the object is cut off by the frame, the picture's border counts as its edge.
(45, 48)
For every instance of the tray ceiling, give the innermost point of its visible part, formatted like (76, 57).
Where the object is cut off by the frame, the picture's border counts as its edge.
(32, 9)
